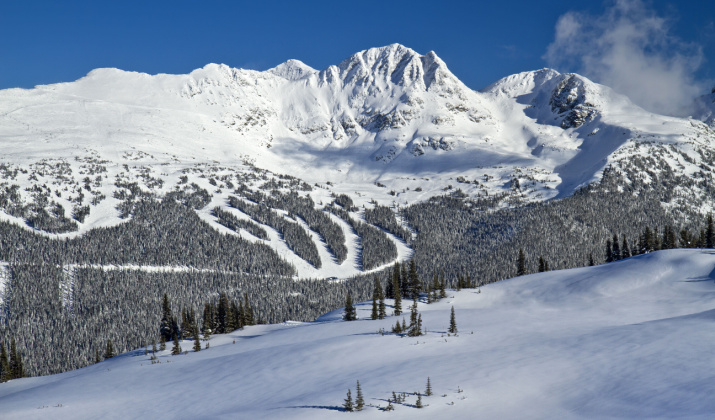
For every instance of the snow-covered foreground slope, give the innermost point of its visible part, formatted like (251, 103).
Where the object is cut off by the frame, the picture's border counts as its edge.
(631, 339)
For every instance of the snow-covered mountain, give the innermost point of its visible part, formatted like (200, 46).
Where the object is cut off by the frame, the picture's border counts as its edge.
(127, 186)
(383, 115)
(387, 126)
(627, 339)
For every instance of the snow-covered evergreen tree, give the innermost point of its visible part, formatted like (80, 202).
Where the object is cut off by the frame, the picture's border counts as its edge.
(176, 348)
(452, 323)
(521, 263)
(109, 351)
(359, 399)
(350, 313)
(348, 404)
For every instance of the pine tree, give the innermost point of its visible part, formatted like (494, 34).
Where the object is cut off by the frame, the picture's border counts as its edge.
(397, 291)
(222, 313)
(109, 351)
(153, 346)
(359, 400)
(186, 323)
(233, 323)
(4, 364)
(647, 242)
(197, 342)
(207, 327)
(381, 314)
(20, 367)
(348, 405)
(241, 315)
(192, 320)
(521, 263)
(686, 240)
(16, 368)
(665, 240)
(96, 356)
(442, 286)
(616, 248)
(452, 323)
(375, 298)
(250, 319)
(710, 233)
(404, 282)
(415, 284)
(350, 313)
(389, 407)
(166, 328)
(415, 322)
(625, 249)
(418, 404)
(669, 238)
(609, 251)
(176, 348)
(397, 329)
(542, 265)
(428, 391)
(591, 263)
(162, 343)
(391, 283)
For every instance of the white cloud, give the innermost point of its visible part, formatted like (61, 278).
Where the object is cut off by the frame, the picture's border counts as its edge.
(631, 49)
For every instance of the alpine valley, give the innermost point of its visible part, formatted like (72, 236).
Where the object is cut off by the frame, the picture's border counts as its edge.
(285, 190)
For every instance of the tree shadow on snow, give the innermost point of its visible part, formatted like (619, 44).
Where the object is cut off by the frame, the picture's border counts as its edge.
(320, 407)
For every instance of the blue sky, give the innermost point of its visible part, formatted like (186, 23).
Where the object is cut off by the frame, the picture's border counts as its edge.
(51, 41)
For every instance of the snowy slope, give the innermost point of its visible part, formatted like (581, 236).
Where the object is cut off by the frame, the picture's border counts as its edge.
(629, 339)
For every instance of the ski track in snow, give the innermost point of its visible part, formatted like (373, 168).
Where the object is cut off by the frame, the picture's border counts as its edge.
(330, 268)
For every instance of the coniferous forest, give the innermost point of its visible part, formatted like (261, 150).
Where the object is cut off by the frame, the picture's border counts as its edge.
(66, 299)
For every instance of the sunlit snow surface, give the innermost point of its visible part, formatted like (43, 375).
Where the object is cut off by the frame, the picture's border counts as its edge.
(631, 339)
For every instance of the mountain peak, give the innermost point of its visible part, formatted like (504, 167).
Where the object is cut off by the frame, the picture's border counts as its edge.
(521, 83)
(293, 70)
(394, 64)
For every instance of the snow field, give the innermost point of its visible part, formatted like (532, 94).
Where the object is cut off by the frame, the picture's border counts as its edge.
(627, 339)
